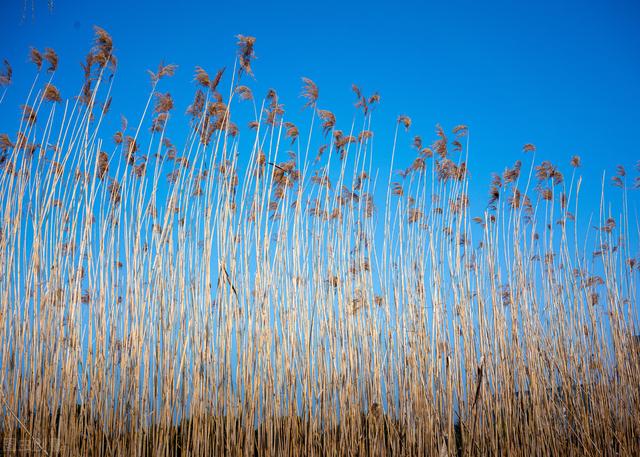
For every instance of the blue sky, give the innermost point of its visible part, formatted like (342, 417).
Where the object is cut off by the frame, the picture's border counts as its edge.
(562, 75)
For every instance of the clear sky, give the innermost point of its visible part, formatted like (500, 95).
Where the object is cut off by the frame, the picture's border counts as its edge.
(564, 75)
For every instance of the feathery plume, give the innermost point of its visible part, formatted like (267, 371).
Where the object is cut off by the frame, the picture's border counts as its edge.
(51, 94)
(6, 74)
(216, 79)
(310, 92)
(245, 53)
(404, 120)
(5, 143)
(102, 53)
(29, 115)
(103, 165)
(202, 77)
(52, 58)
(163, 71)
(244, 92)
(36, 58)
(329, 120)
(460, 130)
(291, 132)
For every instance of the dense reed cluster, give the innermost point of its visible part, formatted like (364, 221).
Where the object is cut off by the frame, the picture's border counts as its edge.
(212, 296)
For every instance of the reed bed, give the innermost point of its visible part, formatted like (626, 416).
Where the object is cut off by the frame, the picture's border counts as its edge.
(212, 296)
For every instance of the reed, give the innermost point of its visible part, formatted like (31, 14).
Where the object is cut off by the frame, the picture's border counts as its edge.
(212, 297)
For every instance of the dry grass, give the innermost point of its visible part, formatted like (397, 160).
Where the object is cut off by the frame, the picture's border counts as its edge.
(176, 300)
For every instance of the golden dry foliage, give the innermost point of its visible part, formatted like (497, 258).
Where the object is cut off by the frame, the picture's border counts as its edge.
(440, 146)
(460, 130)
(51, 93)
(321, 180)
(321, 151)
(515, 199)
(163, 71)
(244, 92)
(158, 123)
(405, 121)
(103, 165)
(29, 115)
(52, 58)
(275, 110)
(547, 171)
(202, 77)
(36, 58)
(102, 53)
(164, 102)
(216, 79)
(328, 120)
(414, 215)
(5, 143)
(291, 131)
(114, 191)
(310, 92)
(365, 135)
(6, 74)
(426, 152)
(417, 142)
(106, 106)
(259, 304)
(363, 102)
(197, 106)
(419, 164)
(245, 53)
